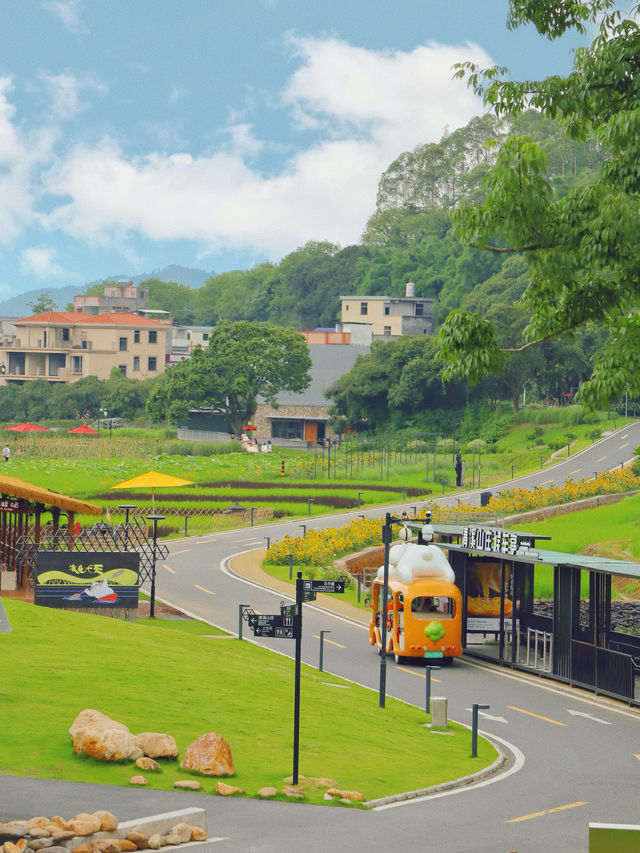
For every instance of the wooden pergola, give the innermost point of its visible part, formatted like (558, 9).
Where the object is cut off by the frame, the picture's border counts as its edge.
(22, 506)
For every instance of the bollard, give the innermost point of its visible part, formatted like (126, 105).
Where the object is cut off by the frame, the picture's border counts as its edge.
(186, 519)
(427, 704)
(241, 607)
(439, 712)
(474, 728)
(322, 633)
(282, 467)
(359, 499)
(512, 467)
(251, 511)
(359, 587)
(290, 556)
(268, 538)
(304, 529)
(404, 491)
(414, 510)
(309, 502)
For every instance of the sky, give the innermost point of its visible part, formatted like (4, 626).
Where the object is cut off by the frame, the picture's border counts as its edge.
(219, 134)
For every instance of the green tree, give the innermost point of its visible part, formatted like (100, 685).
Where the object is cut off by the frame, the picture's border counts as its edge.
(243, 362)
(581, 247)
(44, 302)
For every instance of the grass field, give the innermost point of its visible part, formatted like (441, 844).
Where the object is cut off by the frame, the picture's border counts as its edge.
(173, 676)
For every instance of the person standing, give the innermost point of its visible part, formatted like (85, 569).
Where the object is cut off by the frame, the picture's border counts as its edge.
(6, 453)
(459, 466)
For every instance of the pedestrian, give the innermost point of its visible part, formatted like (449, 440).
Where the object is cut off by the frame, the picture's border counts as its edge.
(6, 453)
(459, 469)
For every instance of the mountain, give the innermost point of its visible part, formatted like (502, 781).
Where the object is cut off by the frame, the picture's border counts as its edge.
(18, 306)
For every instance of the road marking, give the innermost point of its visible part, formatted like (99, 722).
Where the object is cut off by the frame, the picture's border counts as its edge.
(184, 551)
(490, 717)
(546, 811)
(204, 589)
(537, 716)
(341, 686)
(253, 541)
(571, 473)
(626, 444)
(327, 640)
(589, 717)
(602, 458)
(546, 482)
(168, 568)
(419, 674)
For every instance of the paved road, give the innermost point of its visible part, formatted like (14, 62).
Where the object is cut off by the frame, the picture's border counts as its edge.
(573, 758)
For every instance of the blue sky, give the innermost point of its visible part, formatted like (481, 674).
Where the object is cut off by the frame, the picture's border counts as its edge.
(221, 133)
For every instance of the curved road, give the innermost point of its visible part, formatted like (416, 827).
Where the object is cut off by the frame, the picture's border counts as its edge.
(573, 759)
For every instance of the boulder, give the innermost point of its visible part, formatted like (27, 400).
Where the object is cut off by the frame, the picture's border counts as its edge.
(145, 763)
(37, 823)
(37, 832)
(95, 720)
(179, 834)
(227, 790)
(12, 832)
(157, 745)
(267, 792)
(139, 838)
(40, 843)
(188, 785)
(127, 846)
(99, 736)
(106, 845)
(84, 825)
(156, 841)
(293, 792)
(61, 835)
(108, 821)
(57, 820)
(137, 780)
(209, 755)
(352, 796)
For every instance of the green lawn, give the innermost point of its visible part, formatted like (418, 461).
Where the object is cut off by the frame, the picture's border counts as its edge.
(167, 675)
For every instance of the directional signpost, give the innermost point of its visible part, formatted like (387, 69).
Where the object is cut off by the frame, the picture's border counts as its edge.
(287, 625)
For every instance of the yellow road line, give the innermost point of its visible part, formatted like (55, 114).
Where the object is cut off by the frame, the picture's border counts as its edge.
(626, 444)
(204, 589)
(419, 674)
(546, 482)
(537, 716)
(168, 568)
(637, 755)
(546, 811)
(184, 551)
(602, 458)
(571, 473)
(327, 640)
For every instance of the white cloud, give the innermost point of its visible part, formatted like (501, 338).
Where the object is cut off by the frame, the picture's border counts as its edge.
(40, 262)
(68, 12)
(65, 90)
(367, 107)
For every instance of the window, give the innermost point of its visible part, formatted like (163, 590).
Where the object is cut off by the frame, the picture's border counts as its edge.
(387, 330)
(419, 309)
(123, 369)
(123, 344)
(136, 336)
(387, 310)
(287, 429)
(65, 334)
(153, 337)
(205, 336)
(188, 336)
(76, 364)
(152, 362)
(346, 307)
(136, 362)
(364, 308)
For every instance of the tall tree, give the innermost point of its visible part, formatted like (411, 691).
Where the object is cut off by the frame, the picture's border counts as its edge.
(582, 248)
(243, 362)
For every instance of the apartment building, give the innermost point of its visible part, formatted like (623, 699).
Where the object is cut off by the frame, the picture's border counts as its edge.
(122, 296)
(64, 346)
(370, 318)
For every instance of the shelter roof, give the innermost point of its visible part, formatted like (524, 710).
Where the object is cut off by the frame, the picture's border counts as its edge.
(16, 488)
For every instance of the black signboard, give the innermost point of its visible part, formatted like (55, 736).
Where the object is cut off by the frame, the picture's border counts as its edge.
(288, 609)
(101, 580)
(323, 586)
(274, 625)
(308, 595)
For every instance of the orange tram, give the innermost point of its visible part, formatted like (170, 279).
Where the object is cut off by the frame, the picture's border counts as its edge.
(424, 619)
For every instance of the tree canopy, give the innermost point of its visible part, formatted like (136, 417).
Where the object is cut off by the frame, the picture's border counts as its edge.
(243, 361)
(581, 247)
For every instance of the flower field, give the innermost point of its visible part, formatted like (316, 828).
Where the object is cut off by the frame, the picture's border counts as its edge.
(320, 547)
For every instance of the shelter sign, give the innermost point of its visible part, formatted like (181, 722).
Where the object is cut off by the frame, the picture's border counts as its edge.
(101, 580)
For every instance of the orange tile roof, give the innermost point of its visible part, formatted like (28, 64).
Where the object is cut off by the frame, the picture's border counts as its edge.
(78, 318)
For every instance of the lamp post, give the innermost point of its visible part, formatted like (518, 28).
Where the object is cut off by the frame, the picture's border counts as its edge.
(155, 519)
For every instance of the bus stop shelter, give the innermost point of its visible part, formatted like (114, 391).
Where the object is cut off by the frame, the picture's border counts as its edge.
(546, 611)
(26, 513)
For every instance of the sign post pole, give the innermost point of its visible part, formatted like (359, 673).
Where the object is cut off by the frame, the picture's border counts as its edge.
(296, 695)
(386, 538)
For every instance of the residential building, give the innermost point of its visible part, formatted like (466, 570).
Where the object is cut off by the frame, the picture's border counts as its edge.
(185, 338)
(370, 318)
(122, 296)
(64, 346)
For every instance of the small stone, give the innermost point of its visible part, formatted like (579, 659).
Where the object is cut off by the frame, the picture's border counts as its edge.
(145, 763)
(292, 791)
(82, 848)
(62, 835)
(156, 841)
(37, 823)
(188, 785)
(108, 821)
(140, 839)
(19, 846)
(198, 833)
(125, 845)
(354, 796)
(179, 834)
(106, 845)
(12, 833)
(267, 792)
(84, 827)
(41, 843)
(327, 796)
(40, 833)
(137, 780)
(227, 790)
(57, 820)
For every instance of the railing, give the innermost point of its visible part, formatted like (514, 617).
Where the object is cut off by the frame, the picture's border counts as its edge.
(604, 669)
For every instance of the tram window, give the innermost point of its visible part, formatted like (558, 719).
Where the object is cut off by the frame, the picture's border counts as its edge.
(430, 607)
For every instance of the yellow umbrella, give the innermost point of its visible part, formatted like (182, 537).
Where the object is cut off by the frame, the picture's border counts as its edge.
(152, 480)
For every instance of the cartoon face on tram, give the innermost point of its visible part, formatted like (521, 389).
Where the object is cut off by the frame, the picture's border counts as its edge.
(424, 606)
